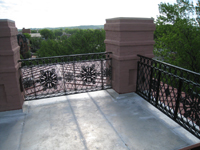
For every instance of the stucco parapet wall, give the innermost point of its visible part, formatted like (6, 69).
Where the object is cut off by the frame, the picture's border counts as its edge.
(7, 28)
(130, 57)
(129, 43)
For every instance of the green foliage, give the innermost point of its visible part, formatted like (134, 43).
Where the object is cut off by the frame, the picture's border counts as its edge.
(81, 41)
(48, 48)
(28, 55)
(87, 27)
(47, 34)
(35, 43)
(58, 32)
(177, 34)
(21, 57)
(33, 31)
(71, 31)
(86, 41)
(27, 35)
(72, 27)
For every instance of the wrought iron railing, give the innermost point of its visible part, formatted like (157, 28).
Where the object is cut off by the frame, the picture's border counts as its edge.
(62, 75)
(173, 90)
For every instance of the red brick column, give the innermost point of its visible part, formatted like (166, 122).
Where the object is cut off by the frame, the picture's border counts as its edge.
(11, 96)
(125, 38)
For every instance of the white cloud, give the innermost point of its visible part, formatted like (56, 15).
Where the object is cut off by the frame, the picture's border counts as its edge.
(46, 13)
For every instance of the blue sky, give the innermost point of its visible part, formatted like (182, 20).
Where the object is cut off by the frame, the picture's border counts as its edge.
(63, 13)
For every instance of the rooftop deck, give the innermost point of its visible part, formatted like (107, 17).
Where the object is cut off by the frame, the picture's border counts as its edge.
(95, 120)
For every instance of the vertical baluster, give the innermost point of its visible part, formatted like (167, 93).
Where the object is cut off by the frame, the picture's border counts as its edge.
(102, 74)
(110, 70)
(150, 83)
(63, 76)
(137, 84)
(74, 75)
(178, 98)
(33, 81)
(158, 86)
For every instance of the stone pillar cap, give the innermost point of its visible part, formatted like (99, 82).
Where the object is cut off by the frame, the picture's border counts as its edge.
(130, 18)
(8, 20)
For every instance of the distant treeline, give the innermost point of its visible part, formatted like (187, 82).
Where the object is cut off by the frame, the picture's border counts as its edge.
(68, 41)
(72, 27)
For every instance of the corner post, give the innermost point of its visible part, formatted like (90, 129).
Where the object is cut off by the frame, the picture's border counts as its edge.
(11, 97)
(125, 38)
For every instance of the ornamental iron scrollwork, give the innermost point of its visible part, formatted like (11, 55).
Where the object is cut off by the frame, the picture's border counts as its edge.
(191, 106)
(174, 91)
(167, 93)
(28, 82)
(154, 84)
(48, 79)
(107, 72)
(78, 73)
(143, 79)
(88, 74)
(69, 77)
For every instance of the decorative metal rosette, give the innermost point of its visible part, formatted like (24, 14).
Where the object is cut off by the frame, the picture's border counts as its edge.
(48, 79)
(191, 106)
(88, 74)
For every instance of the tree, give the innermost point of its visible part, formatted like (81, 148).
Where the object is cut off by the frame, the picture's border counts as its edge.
(33, 31)
(86, 41)
(58, 32)
(27, 35)
(35, 43)
(82, 41)
(177, 34)
(71, 31)
(47, 34)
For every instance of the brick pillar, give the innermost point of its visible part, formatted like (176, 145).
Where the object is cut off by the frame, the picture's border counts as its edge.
(125, 38)
(11, 96)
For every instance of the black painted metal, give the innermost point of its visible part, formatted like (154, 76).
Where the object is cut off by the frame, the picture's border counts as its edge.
(20, 84)
(62, 75)
(173, 90)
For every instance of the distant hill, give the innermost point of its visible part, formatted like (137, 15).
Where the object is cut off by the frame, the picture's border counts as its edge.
(73, 27)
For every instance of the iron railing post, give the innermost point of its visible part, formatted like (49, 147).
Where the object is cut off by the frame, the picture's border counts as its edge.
(63, 76)
(178, 98)
(137, 84)
(111, 71)
(33, 81)
(74, 75)
(150, 83)
(158, 86)
(21, 84)
(101, 74)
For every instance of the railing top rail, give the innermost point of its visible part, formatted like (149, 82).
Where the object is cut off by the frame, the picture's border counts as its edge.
(170, 65)
(62, 56)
